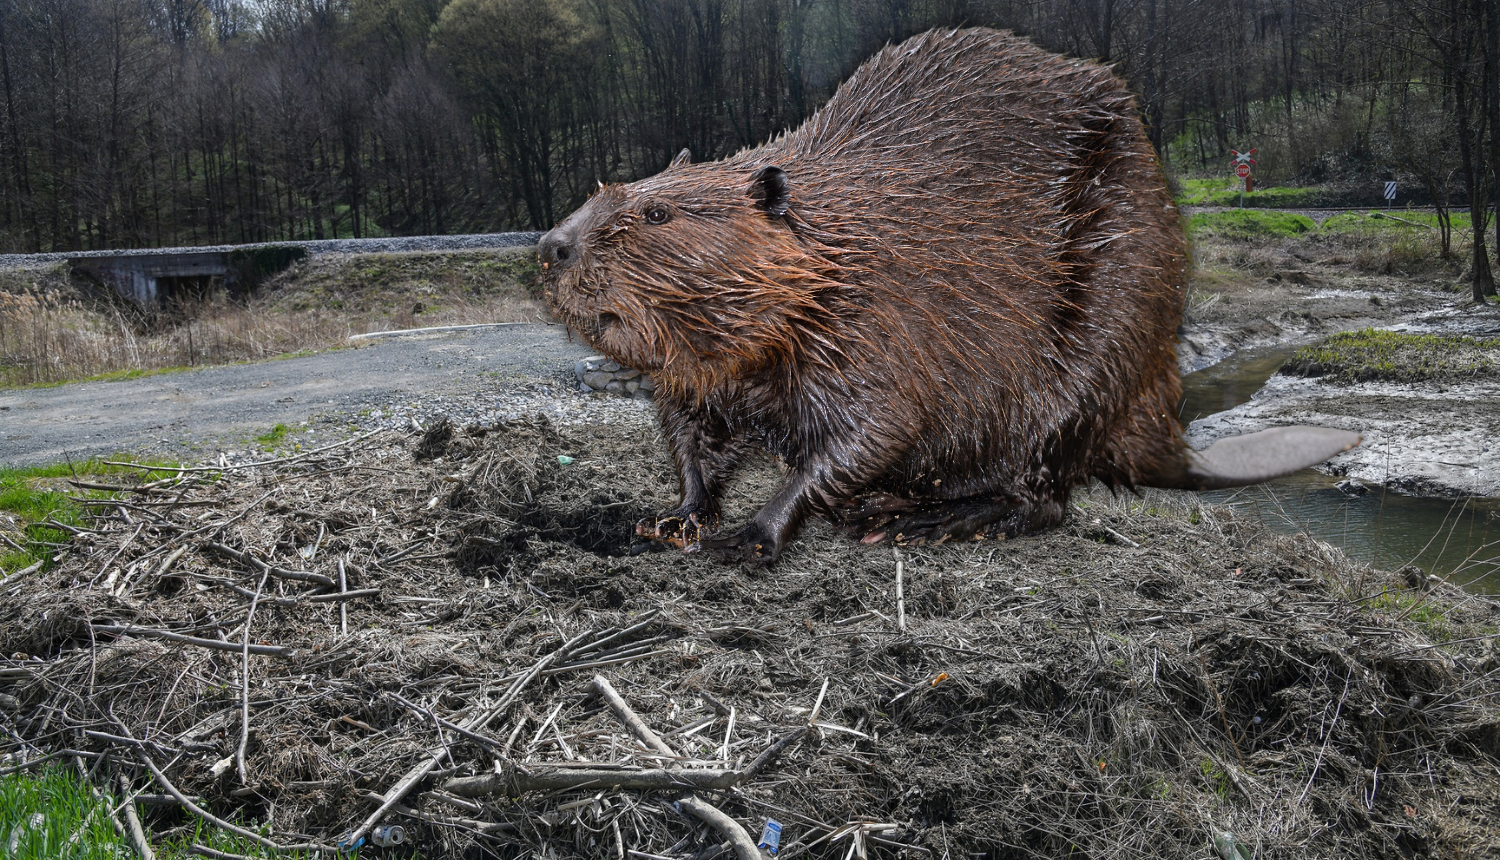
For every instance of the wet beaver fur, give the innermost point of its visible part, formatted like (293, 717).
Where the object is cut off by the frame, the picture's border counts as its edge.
(944, 301)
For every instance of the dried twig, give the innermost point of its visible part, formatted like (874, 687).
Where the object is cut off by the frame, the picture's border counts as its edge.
(133, 822)
(744, 846)
(402, 787)
(215, 644)
(279, 461)
(516, 780)
(239, 752)
(169, 788)
(629, 717)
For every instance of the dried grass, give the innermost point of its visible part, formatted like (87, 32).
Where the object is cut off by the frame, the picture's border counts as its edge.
(1068, 694)
(56, 329)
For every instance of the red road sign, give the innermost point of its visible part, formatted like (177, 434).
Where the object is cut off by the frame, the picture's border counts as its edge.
(1242, 170)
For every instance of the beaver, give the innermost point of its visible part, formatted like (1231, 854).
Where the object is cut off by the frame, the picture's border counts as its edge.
(947, 299)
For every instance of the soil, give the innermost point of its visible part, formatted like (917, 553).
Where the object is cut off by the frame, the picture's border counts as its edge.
(1151, 679)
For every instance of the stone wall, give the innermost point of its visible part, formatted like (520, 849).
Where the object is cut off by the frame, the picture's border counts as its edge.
(598, 373)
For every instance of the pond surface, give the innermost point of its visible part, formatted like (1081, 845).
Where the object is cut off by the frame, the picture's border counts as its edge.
(1458, 539)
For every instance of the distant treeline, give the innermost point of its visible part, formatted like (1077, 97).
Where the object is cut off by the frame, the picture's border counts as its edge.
(165, 122)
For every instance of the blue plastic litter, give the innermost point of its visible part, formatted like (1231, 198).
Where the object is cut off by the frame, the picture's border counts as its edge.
(770, 836)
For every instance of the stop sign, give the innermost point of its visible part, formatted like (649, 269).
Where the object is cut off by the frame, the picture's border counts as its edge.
(1242, 170)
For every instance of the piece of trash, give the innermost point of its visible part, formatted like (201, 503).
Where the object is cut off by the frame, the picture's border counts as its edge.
(346, 845)
(222, 765)
(941, 677)
(1230, 848)
(770, 836)
(387, 835)
(564, 460)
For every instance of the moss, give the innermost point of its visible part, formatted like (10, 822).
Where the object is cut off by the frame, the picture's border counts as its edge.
(1376, 355)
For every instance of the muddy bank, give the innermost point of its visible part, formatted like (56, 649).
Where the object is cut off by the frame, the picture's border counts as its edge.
(1420, 439)
(1300, 303)
(1150, 679)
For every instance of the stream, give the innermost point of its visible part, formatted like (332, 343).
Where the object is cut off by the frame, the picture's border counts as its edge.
(1458, 539)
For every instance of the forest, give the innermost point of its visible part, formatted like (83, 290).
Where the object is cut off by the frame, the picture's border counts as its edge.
(143, 123)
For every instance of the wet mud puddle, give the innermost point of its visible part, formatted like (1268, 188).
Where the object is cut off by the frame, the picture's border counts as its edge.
(1458, 539)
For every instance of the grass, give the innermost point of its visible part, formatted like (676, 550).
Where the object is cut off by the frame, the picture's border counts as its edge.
(1375, 355)
(31, 496)
(1226, 192)
(273, 437)
(56, 329)
(1245, 224)
(53, 815)
(1377, 222)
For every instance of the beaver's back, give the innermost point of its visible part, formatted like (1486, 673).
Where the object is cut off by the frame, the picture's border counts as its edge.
(1017, 258)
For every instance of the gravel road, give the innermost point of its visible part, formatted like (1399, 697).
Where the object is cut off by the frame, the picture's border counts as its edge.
(473, 375)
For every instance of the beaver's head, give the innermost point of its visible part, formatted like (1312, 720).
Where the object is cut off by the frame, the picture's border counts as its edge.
(696, 275)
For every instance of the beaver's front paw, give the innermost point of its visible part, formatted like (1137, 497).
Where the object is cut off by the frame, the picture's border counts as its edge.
(679, 529)
(751, 545)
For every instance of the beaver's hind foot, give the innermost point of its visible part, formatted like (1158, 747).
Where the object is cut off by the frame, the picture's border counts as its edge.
(910, 522)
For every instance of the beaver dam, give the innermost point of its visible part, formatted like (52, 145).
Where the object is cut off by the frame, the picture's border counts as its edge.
(442, 631)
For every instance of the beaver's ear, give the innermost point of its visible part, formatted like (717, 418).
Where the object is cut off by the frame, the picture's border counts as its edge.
(683, 157)
(770, 186)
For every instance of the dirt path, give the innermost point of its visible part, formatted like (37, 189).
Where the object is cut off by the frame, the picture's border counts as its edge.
(191, 413)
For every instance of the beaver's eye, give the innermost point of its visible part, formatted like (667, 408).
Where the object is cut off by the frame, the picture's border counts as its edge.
(657, 215)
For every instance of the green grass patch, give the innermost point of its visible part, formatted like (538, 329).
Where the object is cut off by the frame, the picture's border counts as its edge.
(53, 815)
(1374, 355)
(1226, 192)
(1414, 607)
(1248, 224)
(32, 496)
(1378, 222)
(272, 437)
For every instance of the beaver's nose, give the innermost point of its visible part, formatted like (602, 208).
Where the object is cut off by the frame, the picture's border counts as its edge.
(558, 249)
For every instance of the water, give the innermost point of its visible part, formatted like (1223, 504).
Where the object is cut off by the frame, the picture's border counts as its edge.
(1454, 538)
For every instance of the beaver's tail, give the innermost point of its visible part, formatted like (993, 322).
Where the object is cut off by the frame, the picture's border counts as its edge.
(1236, 461)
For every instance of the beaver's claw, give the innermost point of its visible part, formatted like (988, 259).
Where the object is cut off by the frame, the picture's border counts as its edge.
(750, 545)
(678, 529)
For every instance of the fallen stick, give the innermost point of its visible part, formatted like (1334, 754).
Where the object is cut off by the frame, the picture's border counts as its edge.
(451, 726)
(744, 846)
(514, 780)
(169, 788)
(169, 636)
(275, 462)
(767, 758)
(133, 822)
(239, 753)
(613, 661)
(629, 717)
(278, 572)
(900, 591)
(398, 792)
(486, 827)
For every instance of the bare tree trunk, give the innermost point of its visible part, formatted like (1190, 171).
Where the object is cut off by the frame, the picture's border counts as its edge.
(1483, 280)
